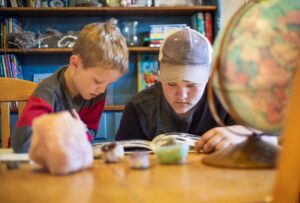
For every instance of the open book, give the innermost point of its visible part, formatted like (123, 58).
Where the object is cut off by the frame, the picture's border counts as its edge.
(8, 155)
(159, 140)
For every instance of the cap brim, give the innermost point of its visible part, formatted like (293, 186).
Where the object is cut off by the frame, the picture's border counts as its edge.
(192, 73)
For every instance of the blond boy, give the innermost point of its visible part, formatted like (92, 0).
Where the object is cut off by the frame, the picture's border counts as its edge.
(99, 58)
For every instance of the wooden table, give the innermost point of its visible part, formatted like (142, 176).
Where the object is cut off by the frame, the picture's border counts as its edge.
(191, 182)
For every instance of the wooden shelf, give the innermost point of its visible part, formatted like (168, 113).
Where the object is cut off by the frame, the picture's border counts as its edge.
(114, 108)
(104, 11)
(66, 50)
(36, 51)
(143, 49)
(106, 108)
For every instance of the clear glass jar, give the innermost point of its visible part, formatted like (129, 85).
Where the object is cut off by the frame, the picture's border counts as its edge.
(3, 3)
(129, 30)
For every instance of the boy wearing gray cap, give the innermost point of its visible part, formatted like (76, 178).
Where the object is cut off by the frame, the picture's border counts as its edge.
(178, 103)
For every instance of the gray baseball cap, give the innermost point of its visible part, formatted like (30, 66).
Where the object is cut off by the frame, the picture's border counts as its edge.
(185, 55)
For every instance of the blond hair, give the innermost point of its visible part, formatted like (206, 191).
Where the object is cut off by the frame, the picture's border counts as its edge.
(102, 44)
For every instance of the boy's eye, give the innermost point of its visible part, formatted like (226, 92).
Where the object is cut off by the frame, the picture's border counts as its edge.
(172, 84)
(191, 85)
(97, 82)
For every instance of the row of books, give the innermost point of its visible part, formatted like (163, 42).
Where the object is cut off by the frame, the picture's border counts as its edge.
(159, 32)
(114, 3)
(7, 25)
(10, 66)
(203, 23)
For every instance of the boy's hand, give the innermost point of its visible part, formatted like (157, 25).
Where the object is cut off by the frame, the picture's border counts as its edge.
(75, 114)
(77, 117)
(219, 138)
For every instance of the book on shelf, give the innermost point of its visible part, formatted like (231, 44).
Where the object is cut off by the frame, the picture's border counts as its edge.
(8, 26)
(160, 32)
(14, 3)
(159, 3)
(10, 68)
(208, 26)
(202, 22)
(147, 70)
(158, 141)
(198, 22)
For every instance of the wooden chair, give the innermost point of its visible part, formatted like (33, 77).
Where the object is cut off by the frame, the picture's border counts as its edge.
(12, 89)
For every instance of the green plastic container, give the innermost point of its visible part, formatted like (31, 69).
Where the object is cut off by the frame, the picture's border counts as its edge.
(172, 154)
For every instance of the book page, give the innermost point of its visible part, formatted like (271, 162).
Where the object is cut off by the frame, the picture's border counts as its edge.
(129, 144)
(162, 139)
(132, 145)
(7, 155)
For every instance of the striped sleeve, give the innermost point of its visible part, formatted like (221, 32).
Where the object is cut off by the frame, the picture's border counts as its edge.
(20, 139)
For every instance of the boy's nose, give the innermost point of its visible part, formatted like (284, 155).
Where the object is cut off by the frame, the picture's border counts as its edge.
(182, 92)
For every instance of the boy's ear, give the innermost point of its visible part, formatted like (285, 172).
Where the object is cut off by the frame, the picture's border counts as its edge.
(75, 61)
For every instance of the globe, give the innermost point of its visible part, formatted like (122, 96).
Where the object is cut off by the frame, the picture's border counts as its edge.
(254, 65)
(255, 61)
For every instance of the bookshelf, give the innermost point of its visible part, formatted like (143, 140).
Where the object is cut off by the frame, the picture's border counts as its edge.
(106, 108)
(48, 60)
(104, 11)
(68, 50)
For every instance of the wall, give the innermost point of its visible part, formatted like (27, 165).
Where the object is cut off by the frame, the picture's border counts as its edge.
(229, 7)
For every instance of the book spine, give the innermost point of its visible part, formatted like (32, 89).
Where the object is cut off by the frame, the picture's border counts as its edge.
(147, 70)
(1, 35)
(6, 66)
(19, 73)
(15, 25)
(4, 33)
(11, 25)
(9, 66)
(1, 67)
(208, 27)
(20, 3)
(13, 3)
(194, 23)
(200, 23)
(13, 66)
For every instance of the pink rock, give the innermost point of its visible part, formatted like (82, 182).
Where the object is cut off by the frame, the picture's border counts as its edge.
(59, 143)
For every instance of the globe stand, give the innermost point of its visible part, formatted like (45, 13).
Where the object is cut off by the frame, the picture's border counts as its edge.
(253, 153)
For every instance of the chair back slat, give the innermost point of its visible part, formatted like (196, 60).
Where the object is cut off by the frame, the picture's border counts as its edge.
(5, 123)
(12, 89)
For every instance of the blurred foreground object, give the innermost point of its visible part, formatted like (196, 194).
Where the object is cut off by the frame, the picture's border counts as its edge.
(112, 152)
(59, 143)
(287, 186)
(139, 160)
(254, 65)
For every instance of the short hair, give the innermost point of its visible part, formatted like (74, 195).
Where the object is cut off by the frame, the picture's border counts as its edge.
(102, 44)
